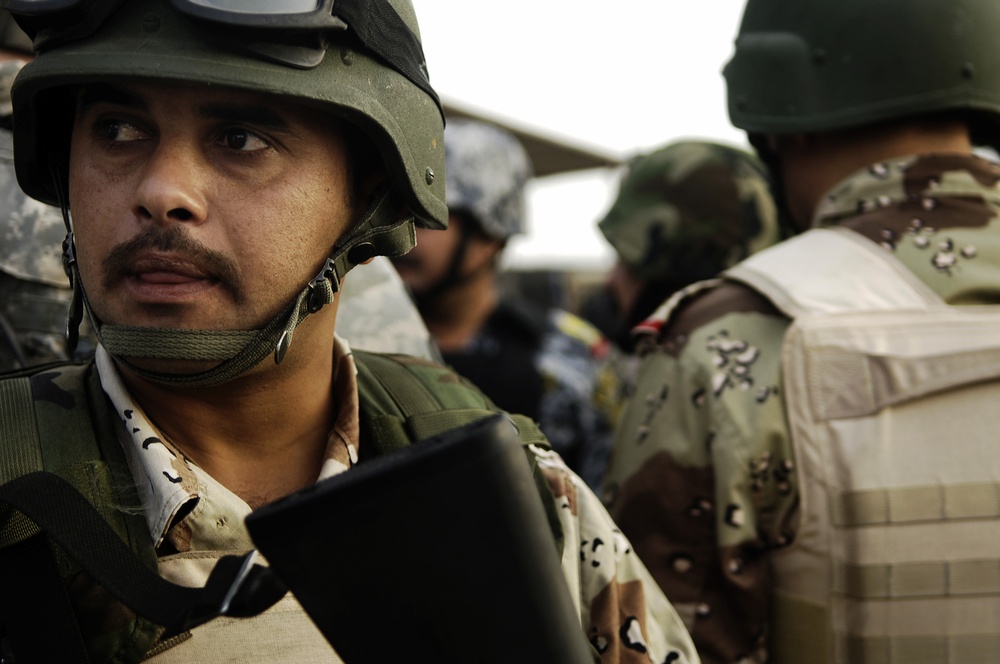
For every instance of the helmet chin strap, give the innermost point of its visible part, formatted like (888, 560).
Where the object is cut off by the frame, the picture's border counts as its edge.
(378, 233)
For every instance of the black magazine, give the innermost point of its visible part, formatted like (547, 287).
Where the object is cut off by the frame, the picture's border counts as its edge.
(441, 551)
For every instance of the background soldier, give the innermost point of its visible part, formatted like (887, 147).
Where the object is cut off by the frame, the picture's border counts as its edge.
(543, 364)
(34, 290)
(798, 495)
(683, 213)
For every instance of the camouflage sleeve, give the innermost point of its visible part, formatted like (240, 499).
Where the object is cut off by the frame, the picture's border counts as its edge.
(702, 479)
(626, 616)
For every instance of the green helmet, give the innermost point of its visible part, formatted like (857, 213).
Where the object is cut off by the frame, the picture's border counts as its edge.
(150, 39)
(359, 60)
(689, 210)
(804, 66)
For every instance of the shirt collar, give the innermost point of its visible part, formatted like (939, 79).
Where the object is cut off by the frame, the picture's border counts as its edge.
(183, 503)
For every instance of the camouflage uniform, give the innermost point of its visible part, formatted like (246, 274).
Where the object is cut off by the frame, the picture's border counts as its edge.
(192, 519)
(683, 213)
(382, 93)
(34, 290)
(703, 480)
(547, 365)
(376, 313)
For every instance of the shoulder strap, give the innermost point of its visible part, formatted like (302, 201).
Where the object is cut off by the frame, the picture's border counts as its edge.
(27, 566)
(832, 269)
(56, 485)
(407, 399)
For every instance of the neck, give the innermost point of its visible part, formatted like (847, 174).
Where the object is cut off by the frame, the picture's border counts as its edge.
(811, 165)
(455, 316)
(245, 433)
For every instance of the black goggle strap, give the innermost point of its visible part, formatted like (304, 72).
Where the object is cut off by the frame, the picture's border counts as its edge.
(378, 233)
(384, 33)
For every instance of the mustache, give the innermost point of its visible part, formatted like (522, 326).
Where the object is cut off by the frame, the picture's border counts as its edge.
(118, 263)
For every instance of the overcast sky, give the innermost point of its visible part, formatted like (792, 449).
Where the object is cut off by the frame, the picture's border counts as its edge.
(620, 77)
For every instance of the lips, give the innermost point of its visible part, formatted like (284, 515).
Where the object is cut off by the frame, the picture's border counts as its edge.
(167, 277)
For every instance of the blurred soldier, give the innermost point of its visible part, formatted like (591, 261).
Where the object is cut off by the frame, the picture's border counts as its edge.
(809, 462)
(377, 314)
(225, 171)
(34, 290)
(684, 212)
(543, 364)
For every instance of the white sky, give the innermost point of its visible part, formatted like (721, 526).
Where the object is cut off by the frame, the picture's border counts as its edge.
(623, 77)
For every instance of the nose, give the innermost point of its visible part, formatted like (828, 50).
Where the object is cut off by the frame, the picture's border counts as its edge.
(172, 187)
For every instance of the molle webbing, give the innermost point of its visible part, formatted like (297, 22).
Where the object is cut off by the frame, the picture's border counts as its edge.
(22, 452)
(404, 399)
(890, 396)
(425, 399)
(805, 631)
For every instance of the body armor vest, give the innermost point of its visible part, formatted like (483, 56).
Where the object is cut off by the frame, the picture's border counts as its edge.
(891, 399)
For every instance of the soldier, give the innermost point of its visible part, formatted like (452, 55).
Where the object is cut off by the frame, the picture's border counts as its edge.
(806, 460)
(34, 290)
(225, 170)
(543, 364)
(683, 213)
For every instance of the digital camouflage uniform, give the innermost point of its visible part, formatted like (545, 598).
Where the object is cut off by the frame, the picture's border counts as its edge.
(703, 480)
(376, 313)
(546, 364)
(34, 290)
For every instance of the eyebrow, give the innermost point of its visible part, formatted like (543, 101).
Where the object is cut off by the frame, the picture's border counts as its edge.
(101, 93)
(262, 116)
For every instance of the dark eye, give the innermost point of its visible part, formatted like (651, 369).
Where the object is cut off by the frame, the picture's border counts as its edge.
(118, 130)
(243, 140)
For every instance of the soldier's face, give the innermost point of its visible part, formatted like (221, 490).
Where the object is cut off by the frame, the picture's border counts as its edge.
(201, 208)
(428, 264)
(424, 266)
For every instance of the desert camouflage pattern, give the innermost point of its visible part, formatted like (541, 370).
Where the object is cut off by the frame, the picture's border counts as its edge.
(703, 479)
(624, 614)
(487, 169)
(34, 290)
(689, 210)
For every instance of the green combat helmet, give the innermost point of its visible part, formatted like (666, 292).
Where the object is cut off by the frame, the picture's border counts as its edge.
(359, 60)
(803, 66)
(689, 210)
